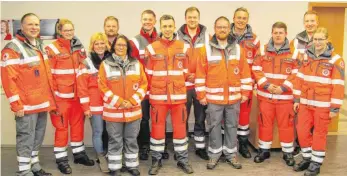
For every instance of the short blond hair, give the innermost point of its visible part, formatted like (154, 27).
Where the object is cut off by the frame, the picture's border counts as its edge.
(311, 12)
(324, 31)
(109, 18)
(98, 36)
(61, 23)
(241, 9)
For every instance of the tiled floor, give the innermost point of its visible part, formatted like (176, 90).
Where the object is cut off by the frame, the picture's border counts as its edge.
(335, 163)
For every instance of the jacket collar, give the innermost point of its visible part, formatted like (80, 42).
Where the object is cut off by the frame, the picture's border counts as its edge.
(284, 48)
(20, 36)
(326, 54)
(247, 35)
(167, 42)
(214, 42)
(148, 37)
(302, 36)
(111, 60)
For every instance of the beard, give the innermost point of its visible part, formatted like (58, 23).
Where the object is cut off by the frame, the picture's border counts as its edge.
(222, 36)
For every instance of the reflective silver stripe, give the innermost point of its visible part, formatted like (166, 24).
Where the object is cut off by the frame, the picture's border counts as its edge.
(107, 95)
(250, 61)
(198, 145)
(35, 159)
(157, 148)
(164, 97)
(79, 73)
(214, 90)
(262, 80)
(338, 81)
(189, 84)
(259, 68)
(78, 149)
(246, 87)
(233, 150)
(294, 71)
(155, 141)
(264, 145)
(306, 155)
(181, 148)
(66, 71)
(34, 153)
(75, 144)
(199, 45)
(114, 157)
(114, 100)
(262, 50)
(243, 127)
(200, 89)
(214, 58)
(59, 149)
(13, 98)
(306, 149)
(242, 133)
(24, 167)
(169, 72)
(64, 95)
(179, 141)
(246, 80)
(318, 153)
(150, 49)
(61, 155)
(234, 89)
(185, 47)
(23, 159)
(295, 54)
(132, 114)
(283, 144)
(215, 97)
(296, 92)
(19, 61)
(132, 164)
(336, 101)
(112, 115)
(136, 43)
(234, 97)
(288, 83)
(317, 159)
(300, 75)
(114, 166)
(200, 81)
(276, 76)
(10, 62)
(200, 139)
(321, 104)
(317, 79)
(84, 100)
(136, 98)
(275, 96)
(210, 149)
(141, 52)
(288, 150)
(334, 59)
(96, 108)
(35, 107)
(54, 49)
(141, 91)
(150, 72)
(238, 51)
(21, 48)
(131, 155)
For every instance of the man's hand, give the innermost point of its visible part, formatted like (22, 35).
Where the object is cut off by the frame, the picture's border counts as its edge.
(126, 104)
(244, 99)
(296, 107)
(271, 88)
(19, 113)
(191, 77)
(203, 101)
(332, 114)
(278, 90)
(87, 114)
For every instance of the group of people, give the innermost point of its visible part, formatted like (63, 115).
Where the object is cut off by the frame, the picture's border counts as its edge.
(121, 84)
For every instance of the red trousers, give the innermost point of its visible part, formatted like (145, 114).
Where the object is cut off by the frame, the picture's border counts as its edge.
(71, 114)
(178, 119)
(283, 112)
(245, 110)
(318, 119)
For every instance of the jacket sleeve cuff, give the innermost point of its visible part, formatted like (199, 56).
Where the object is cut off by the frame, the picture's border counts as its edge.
(284, 89)
(296, 100)
(266, 86)
(133, 101)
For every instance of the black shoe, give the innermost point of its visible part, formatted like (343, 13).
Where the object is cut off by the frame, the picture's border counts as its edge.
(134, 172)
(156, 165)
(212, 163)
(261, 156)
(186, 168)
(115, 173)
(243, 147)
(313, 169)
(303, 165)
(144, 154)
(296, 151)
(202, 154)
(165, 154)
(289, 159)
(64, 167)
(222, 158)
(82, 158)
(42, 173)
(123, 169)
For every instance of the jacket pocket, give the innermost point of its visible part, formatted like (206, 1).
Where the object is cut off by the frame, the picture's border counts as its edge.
(158, 87)
(65, 86)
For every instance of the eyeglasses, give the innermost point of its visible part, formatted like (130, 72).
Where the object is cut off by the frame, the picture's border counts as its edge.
(71, 30)
(222, 27)
(318, 39)
(121, 45)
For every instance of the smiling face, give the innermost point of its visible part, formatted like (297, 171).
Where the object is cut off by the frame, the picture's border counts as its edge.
(99, 47)
(241, 20)
(167, 28)
(111, 28)
(31, 27)
(222, 29)
(121, 47)
(320, 41)
(148, 22)
(192, 19)
(67, 31)
(310, 23)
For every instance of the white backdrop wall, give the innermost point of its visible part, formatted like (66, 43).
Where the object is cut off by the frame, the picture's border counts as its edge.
(88, 18)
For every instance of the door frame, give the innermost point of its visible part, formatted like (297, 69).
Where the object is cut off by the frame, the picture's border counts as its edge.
(325, 4)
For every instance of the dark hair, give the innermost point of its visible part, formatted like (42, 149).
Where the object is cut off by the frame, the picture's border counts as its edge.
(220, 18)
(27, 15)
(120, 36)
(279, 24)
(166, 17)
(149, 12)
(190, 9)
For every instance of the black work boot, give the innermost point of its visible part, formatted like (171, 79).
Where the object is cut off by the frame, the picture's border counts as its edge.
(42, 173)
(156, 165)
(262, 155)
(64, 167)
(165, 155)
(186, 168)
(303, 165)
(289, 159)
(115, 173)
(82, 158)
(313, 169)
(243, 146)
(144, 153)
(202, 153)
(134, 172)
